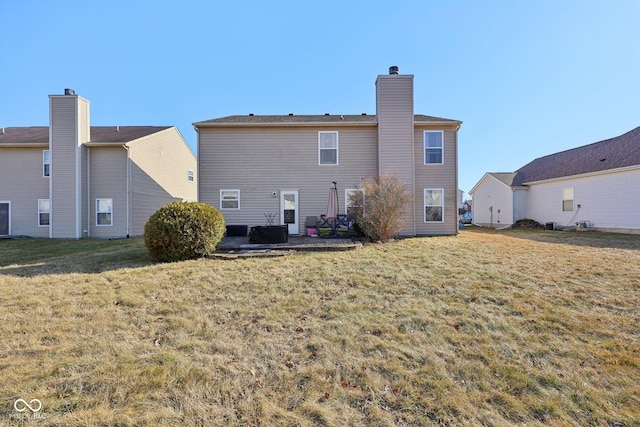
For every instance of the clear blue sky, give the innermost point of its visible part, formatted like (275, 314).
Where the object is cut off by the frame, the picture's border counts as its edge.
(527, 78)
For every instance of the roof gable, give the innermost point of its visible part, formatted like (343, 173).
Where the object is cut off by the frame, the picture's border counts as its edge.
(505, 178)
(614, 153)
(122, 134)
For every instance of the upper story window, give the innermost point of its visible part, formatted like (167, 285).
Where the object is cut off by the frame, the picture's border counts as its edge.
(328, 148)
(46, 163)
(229, 199)
(567, 199)
(190, 175)
(433, 147)
(104, 212)
(433, 205)
(44, 212)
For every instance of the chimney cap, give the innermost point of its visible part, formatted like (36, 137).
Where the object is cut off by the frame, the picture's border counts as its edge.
(393, 69)
(69, 92)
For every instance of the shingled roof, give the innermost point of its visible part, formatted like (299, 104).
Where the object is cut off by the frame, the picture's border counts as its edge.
(619, 152)
(39, 135)
(303, 119)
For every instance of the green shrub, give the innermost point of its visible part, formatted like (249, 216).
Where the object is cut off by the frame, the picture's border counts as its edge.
(183, 230)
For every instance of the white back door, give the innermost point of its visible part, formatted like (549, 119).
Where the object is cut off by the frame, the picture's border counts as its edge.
(289, 210)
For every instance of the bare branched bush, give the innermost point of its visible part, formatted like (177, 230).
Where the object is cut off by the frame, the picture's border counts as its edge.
(381, 206)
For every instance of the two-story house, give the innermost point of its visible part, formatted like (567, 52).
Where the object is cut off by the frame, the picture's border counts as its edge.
(260, 168)
(74, 180)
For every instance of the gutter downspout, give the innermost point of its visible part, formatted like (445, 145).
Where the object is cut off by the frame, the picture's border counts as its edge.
(88, 192)
(126, 147)
(51, 166)
(198, 169)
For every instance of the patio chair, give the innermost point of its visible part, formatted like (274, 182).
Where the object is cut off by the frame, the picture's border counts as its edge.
(311, 224)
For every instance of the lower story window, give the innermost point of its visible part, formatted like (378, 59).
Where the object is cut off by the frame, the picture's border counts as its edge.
(354, 203)
(567, 199)
(433, 205)
(104, 212)
(229, 199)
(44, 212)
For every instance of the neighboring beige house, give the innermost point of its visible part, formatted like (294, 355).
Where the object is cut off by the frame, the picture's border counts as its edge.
(73, 180)
(254, 168)
(594, 186)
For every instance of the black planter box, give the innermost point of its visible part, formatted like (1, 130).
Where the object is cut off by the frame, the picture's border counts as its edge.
(269, 234)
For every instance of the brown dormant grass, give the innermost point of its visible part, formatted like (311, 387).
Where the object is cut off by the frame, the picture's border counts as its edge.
(483, 328)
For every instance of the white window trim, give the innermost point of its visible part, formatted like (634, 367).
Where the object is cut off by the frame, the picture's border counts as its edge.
(41, 212)
(99, 212)
(424, 146)
(346, 198)
(190, 175)
(573, 200)
(424, 201)
(337, 149)
(43, 163)
(229, 209)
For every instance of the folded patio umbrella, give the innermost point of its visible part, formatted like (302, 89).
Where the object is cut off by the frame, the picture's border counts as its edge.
(332, 205)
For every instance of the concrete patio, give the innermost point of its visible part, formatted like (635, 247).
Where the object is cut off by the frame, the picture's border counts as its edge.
(232, 247)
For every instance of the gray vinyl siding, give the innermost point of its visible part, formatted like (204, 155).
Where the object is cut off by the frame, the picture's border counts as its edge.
(108, 166)
(261, 161)
(159, 165)
(394, 109)
(22, 183)
(436, 176)
(64, 172)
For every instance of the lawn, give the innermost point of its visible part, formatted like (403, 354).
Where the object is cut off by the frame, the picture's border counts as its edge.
(484, 328)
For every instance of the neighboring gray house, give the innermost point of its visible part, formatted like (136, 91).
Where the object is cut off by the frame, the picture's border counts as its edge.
(255, 167)
(591, 186)
(73, 180)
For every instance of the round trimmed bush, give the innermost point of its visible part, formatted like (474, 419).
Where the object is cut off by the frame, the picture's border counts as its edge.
(183, 230)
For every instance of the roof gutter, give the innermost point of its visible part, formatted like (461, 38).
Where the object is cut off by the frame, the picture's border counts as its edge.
(584, 175)
(201, 125)
(105, 144)
(440, 123)
(283, 124)
(24, 145)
